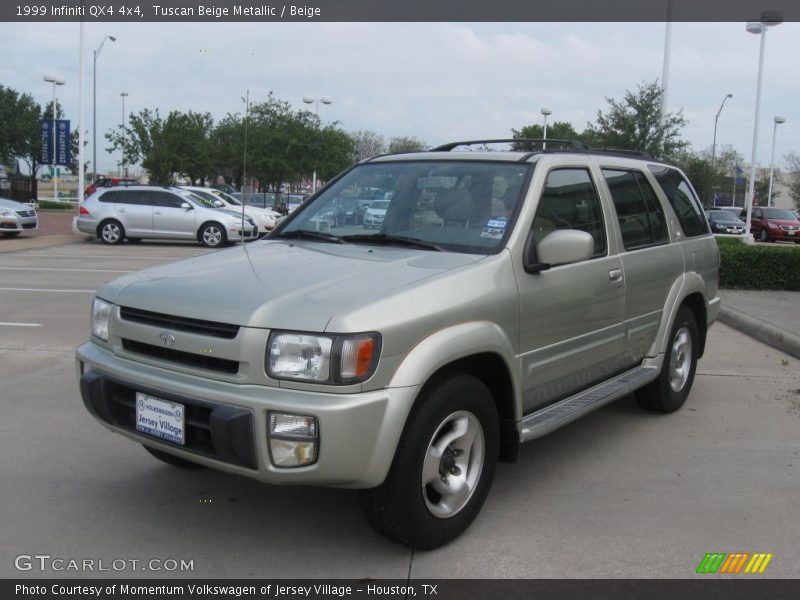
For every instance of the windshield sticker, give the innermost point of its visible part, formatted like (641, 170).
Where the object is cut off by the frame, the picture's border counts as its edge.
(494, 228)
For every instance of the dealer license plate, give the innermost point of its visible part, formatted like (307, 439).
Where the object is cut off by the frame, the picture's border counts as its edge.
(160, 418)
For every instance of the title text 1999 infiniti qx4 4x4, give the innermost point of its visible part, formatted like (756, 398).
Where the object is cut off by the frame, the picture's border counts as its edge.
(504, 295)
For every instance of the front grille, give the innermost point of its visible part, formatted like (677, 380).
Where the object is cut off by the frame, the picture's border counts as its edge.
(789, 228)
(215, 430)
(198, 326)
(202, 361)
(26, 213)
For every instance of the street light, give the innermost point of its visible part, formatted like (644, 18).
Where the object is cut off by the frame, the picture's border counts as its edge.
(124, 172)
(94, 104)
(316, 101)
(776, 121)
(545, 112)
(714, 144)
(768, 19)
(55, 81)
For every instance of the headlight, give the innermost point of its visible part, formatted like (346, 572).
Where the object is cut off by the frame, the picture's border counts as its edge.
(322, 358)
(7, 213)
(101, 312)
(772, 225)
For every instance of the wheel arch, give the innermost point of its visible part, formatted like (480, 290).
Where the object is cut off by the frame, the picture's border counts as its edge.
(689, 291)
(479, 349)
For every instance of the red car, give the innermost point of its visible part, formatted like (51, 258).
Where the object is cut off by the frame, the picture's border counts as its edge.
(774, 224)
(107, 182)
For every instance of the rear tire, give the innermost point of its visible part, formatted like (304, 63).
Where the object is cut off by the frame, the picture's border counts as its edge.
(668, 393)
(443, 466)
(170, 459)
(212, 235)
(763, 236)
(11, 234)
(111, 232)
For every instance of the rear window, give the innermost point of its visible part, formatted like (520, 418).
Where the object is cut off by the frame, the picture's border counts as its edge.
(683, 201)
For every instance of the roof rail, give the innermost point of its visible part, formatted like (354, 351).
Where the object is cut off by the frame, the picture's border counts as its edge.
(546, 144)
(623, 152)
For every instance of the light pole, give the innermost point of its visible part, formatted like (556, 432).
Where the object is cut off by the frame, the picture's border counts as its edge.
(776, 121)
(55, 81)
(545, 112)
(94, 104)
(768, 18)
(124, 172)
(316, 101)
(714, 144)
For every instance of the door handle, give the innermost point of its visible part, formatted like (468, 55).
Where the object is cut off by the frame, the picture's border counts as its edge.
(615, 274)
(122, 210)
(156, 212)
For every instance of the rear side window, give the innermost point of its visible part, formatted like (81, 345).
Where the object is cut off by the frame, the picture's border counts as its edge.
(165, 199)
(641, 219)
(570, 201)
(686, 206)
(124, 197)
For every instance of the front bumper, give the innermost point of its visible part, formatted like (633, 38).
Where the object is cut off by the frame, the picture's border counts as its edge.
(226, 423)
(17, 223)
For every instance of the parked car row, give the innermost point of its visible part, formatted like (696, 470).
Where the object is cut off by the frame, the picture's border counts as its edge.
(767, 224)
(136, 212)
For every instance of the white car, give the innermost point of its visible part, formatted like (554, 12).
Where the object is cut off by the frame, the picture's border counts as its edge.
(375, 214)
(16, 217)
(265, 218)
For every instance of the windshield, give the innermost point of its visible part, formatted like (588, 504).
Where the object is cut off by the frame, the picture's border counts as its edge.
(776, 213)
(722, 215)
(462, 206)
(197, 199)
(206, 195)
(227, 198)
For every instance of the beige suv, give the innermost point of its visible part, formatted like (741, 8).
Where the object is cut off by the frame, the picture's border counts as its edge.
(504, 295)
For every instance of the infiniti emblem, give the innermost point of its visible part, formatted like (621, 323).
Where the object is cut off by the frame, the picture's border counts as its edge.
(167, 339)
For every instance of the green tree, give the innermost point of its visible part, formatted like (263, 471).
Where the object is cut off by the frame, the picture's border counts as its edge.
(20, 136)
(338, 152)
(226, 146)
(793, 168)
(368, 144)
(635, 123)
(398, 145)
(558, 130)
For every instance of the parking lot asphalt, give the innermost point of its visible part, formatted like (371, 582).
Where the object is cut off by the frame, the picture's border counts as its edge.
(620, 493)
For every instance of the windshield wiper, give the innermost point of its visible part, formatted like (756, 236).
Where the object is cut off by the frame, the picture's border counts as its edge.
(391, 240)
(305, 234)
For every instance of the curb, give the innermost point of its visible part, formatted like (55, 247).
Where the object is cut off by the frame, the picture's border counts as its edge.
(761, 330)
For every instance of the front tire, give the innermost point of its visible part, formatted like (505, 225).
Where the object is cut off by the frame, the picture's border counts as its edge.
(668, 393)
(443, 466)
(763, 236)
(212, 235)
(111, 232)
(170, 459)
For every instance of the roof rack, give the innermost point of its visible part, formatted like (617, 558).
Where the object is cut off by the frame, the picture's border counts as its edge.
(546, 144)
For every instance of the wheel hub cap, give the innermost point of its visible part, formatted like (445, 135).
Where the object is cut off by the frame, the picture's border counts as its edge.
(680, 360)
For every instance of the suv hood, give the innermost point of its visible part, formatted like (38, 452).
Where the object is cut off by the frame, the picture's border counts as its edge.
(279, 284)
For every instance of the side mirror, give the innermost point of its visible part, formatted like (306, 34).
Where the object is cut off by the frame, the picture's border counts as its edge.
(218, 204)
(186, 206)
(559, 247)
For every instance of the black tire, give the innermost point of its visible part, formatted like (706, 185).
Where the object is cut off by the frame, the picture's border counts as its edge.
(212, 235)
(171, 459)
(668, 393)
(10, 234)
(134, 240)
(763, 236)
(403, 508)
(111, 232)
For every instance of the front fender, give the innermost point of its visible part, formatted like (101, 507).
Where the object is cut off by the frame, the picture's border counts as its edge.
(453, 343)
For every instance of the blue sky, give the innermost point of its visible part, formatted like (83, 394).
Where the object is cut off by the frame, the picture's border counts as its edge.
(435, 81)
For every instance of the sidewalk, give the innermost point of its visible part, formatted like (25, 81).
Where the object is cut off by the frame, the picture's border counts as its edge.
(771, 317)
(55, 229)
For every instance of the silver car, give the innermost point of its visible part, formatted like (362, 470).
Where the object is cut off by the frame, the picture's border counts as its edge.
(505, 295)
(138, 211)
(16, 217)
(265, 218)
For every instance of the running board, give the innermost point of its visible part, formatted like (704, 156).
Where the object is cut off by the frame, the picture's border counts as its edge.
(543, 421)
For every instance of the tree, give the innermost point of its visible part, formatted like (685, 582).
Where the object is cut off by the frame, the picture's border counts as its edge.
(635, 123)
(368, 144)
(338, 152)
(398, 145)
(194, 148)
(761, 187)
(793, 162)
(558, 130)
(20, 136)
(226, 145)
(701, 173)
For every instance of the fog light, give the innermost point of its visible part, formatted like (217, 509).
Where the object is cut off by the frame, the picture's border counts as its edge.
(293, 439)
